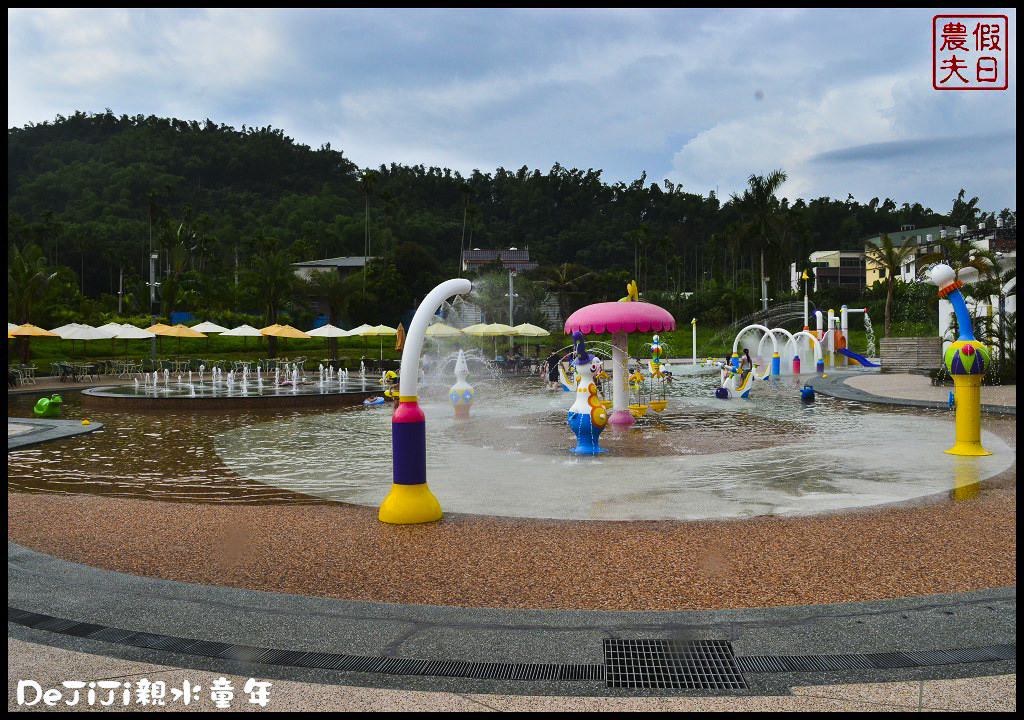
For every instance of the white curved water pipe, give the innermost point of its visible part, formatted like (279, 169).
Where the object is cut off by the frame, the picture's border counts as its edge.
(815, 344)
(789, 341)
(408, 383)
(736, 341)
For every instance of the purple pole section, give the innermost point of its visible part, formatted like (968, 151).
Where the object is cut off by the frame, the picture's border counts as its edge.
(796, 364)
(409, 444)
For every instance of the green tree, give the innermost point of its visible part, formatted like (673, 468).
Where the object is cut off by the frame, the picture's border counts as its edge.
(29, 280)
(324, 290)
(759, 206)
(890, 258)
(271, 281)
(563, 281)
(995, 283)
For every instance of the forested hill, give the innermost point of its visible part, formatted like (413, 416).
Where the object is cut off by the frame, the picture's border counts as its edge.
(96, 191)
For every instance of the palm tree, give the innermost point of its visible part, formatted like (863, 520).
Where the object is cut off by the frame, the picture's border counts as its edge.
(29, 277)
(958, 254)
(994, 284)
(563, 281)
(890, 259)
(760, 206)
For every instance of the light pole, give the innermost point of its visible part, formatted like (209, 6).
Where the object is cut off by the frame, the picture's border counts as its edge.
(153, 257)
(511, 295)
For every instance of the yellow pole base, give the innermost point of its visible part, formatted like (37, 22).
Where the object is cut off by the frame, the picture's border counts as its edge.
(967, 448)
(409, 505)
(967, 399)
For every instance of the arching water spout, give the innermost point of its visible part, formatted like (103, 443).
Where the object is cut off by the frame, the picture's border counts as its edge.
(410, 500)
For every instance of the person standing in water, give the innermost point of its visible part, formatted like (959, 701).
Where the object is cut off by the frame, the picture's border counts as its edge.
(746, 365)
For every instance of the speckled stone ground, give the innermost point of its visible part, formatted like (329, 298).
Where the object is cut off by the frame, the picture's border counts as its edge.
(919, 387)
(334, 550)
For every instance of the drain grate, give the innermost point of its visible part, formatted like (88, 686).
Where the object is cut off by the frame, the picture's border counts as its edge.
(699, 665)
(654, 664)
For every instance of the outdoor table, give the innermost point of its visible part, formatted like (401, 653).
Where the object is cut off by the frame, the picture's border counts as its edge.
(80, 371)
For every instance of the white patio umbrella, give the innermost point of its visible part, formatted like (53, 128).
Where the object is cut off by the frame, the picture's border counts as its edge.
(359, 331)
(209, 327)
(243, 331)
(329, 331)
(75, 331)
(130, 332)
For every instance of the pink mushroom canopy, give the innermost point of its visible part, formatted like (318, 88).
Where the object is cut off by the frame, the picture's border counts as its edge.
(613, 317)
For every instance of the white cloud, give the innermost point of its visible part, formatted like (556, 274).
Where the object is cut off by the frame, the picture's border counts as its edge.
(668, 92)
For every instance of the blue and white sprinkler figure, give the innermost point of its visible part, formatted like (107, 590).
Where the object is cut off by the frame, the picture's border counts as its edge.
(587, 416)
(461, 393)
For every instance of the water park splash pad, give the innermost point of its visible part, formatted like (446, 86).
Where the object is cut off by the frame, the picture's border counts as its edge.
(700, 459)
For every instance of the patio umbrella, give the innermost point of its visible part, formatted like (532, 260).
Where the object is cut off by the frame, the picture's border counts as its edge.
(179, 331)
(29, 331)
(284, 331)
(243, 331)
(528, 331)
(329, 331)
(76, 331)
(440, 330)
(209, 327)
(490, 330)
(378, 331)
(130, 332)
(359, 331)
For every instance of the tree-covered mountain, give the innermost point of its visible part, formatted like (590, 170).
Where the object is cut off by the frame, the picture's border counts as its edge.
(98, 193)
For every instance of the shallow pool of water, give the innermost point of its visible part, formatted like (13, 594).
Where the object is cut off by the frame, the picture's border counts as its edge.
(701, 458)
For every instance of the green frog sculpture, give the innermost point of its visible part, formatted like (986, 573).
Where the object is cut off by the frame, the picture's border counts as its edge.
(49, 407)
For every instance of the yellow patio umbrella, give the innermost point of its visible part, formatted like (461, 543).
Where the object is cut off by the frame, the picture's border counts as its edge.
(490, 330)
(440, 330)
(179, 331)
(284, 331)
(29, 331)
(528, 331)
(158, 330)
(379, 331)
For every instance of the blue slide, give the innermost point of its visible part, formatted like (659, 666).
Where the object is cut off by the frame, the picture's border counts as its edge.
(859, 358)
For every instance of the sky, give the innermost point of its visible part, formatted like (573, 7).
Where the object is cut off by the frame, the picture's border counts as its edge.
(841, 100)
